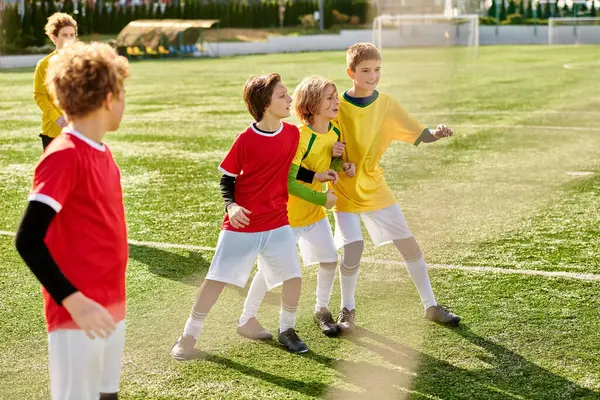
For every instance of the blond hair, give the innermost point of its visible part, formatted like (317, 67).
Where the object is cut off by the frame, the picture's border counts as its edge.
(360, 52)
(80, 76)
(258, 91)
(308, 97)
(57, 21)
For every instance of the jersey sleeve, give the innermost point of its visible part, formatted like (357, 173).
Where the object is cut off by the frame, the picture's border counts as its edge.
(297, 189)
(55, 178)
(232, 163)
(406, 127)
(301, 150)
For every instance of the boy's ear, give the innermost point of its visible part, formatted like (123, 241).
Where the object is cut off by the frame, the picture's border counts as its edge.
(108, 101)
(350, 73)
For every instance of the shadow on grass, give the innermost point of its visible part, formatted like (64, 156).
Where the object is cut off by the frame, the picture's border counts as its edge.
(309, 388)
(507, 375)
(189, 269)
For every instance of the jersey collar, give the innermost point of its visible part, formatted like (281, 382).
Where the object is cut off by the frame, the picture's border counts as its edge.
(361, 102)
(269, 134)
(87, 140)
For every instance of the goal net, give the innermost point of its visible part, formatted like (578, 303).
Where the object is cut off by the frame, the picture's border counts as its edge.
(581, 30)
(419, 30)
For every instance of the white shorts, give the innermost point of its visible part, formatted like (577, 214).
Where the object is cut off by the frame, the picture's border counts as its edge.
(384, 226)
(81, 368)
(316, 243)
(236, 252)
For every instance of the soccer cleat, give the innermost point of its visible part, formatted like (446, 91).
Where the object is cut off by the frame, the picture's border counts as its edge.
(290, 340)
(253, 330)
(346, 320)
(324, 319)
(184, 349)
(442, 316)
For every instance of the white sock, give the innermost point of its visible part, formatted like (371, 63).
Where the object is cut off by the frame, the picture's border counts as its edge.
(325, 278)
(287, 318)
(256, 294)
(348, 280)
(194, 324)
(417, 269)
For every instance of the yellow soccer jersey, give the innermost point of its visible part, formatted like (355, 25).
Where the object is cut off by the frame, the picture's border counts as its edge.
(50, 112)
(314, 153)
(368, 129)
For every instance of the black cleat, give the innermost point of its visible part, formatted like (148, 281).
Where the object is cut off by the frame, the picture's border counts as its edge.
(290, 340)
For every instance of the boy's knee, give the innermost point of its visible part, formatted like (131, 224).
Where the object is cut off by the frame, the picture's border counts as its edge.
(352, 252)
(409, 248)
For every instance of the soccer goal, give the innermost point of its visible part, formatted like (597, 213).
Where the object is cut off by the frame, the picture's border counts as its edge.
(580, 30)
(427, 30)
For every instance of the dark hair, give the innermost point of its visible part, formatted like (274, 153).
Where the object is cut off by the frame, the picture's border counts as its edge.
(257, 93)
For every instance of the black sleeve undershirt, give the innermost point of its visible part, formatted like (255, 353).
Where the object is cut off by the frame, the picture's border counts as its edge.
(305, 175)
(227, 190)
(32, 248)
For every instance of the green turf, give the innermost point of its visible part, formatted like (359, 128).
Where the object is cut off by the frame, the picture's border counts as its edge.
(501, 193)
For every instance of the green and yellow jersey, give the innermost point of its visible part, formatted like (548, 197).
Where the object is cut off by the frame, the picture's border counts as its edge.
(368, 126)
(305, 205)
(50, 112)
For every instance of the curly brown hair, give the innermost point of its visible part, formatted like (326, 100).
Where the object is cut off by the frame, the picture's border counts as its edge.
(81, 75)
(308, 97)
(257, 93)
(360, 52)
(57, 21)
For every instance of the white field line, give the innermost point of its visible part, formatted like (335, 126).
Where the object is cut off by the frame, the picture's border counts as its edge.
(499, 112)
(528, 127)
(581, 66)
(551, 274)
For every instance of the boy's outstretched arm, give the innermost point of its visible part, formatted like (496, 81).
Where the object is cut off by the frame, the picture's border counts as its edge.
(430, 136)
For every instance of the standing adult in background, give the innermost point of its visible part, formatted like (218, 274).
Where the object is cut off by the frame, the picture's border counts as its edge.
(60, 28)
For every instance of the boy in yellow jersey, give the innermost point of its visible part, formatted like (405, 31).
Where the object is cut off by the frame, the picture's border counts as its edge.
(369, 122)
(61, 28)
(316, 105)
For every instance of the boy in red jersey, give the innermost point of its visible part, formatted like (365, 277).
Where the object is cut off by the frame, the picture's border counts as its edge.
(73, 235)
(254, 186)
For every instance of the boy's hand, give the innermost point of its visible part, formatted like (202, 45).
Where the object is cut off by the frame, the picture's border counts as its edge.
(90, 316)
(349, 169)
(331, 199)
(61, 122)
(338, 149)
(327, 176)
(238, 216)
(442, 131)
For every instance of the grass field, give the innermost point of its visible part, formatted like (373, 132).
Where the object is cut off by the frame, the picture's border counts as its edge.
(517, 190)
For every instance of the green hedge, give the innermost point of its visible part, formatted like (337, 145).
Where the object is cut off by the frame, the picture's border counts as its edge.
(16, 32)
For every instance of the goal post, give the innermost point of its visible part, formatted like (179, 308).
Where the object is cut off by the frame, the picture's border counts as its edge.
(419, 30)
(574, 30)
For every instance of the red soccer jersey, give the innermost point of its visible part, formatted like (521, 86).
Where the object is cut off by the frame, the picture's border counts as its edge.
(87, 239)
(261, 162)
